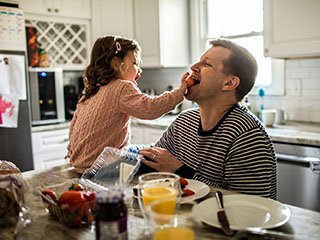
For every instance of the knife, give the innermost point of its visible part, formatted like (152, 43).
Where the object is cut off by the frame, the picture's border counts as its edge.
(222, 216)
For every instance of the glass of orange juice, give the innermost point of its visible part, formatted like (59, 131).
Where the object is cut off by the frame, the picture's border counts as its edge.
(167, 226)
(159, 185)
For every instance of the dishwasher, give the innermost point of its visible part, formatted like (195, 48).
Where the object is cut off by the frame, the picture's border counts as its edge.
(298, 175)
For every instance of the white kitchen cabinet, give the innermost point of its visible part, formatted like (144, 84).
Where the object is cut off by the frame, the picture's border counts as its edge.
(63, 8)
(63, 30)
(161, 28)
(137, 135)
(49, 148)
(291, 28)
(111, 17)
(66, 41)
(145, 135)
(151, 135)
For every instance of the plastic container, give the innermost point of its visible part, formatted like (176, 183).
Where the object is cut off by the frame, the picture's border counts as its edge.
(113, 167)
(12, 191)
(72, 215)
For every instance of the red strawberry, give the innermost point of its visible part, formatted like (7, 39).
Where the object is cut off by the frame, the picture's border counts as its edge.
(187, 192)
(183, 182)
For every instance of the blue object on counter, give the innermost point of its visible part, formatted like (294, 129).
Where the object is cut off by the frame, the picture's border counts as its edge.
(132, 150)
(261, 93)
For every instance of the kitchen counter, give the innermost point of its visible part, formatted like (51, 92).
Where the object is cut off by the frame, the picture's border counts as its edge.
(160, 123)
(296, 133)
(291, 132)
(303, 224)
(51, 127)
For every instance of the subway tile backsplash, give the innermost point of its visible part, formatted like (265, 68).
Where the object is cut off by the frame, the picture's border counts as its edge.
(302, 91)
(302, 88)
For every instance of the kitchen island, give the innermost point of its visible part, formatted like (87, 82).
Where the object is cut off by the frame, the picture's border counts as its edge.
(303, 224)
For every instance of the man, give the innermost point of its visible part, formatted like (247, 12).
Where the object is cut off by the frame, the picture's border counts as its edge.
(222, 143)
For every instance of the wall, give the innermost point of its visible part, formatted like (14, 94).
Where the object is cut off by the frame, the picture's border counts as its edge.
(160, 78)
(302, 91)
(302, 88)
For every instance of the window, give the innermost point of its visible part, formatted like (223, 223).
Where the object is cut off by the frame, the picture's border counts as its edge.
(241, 22)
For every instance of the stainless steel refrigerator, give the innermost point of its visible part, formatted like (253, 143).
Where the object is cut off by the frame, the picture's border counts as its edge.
(15, 142)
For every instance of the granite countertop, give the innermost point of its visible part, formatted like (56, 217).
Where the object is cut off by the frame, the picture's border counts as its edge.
(297, 133)
(303, 223)
(291, 132)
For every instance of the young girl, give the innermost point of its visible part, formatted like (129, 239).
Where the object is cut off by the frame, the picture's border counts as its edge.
(110, 98)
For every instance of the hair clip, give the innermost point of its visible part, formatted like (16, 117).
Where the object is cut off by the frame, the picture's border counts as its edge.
(118, 47)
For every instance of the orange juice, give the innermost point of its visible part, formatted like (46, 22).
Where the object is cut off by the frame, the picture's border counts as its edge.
(151, 194)
(174, 233)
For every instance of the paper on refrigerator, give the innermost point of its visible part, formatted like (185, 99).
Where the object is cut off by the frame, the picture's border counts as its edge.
(13, 75)
(9, 108)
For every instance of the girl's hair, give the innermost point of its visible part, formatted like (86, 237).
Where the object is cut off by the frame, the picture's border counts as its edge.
(100, 71)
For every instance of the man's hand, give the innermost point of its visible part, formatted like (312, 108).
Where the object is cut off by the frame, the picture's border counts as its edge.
(160, 159)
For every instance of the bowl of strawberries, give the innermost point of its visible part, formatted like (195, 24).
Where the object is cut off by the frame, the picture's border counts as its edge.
(73, 205)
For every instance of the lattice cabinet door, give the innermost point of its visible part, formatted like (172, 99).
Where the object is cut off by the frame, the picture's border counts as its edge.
(66, 43)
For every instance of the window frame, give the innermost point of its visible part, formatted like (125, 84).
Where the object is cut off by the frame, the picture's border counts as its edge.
(199, 39)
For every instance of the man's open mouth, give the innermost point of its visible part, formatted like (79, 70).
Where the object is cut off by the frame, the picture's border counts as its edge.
(196, 80)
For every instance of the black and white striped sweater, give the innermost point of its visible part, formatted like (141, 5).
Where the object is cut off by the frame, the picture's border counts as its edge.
(237, 154)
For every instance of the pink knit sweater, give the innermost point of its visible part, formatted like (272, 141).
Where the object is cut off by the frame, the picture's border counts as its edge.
(104, 119)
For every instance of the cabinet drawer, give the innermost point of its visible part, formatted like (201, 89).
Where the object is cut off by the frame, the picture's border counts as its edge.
(49, 148)
(152, 135)
(145, 135)
(55, 162)
(137, 135)
(50, 159)
(50, 140)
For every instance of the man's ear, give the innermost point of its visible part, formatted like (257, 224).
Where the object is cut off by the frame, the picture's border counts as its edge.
(231, 83)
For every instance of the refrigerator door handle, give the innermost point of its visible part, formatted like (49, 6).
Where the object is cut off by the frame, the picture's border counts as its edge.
(315, 166)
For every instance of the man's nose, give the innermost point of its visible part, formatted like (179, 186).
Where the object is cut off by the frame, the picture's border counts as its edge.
(195, 67)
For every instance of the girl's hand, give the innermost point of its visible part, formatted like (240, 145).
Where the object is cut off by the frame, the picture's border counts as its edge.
(183, 82)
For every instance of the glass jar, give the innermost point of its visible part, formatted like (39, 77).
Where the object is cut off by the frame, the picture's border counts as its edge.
(111, 215)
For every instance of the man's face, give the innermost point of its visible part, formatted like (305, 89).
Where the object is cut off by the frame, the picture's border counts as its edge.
(209, 72)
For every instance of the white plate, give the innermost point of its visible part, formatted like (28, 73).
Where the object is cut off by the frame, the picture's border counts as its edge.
(200, 190)
(244, 211)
